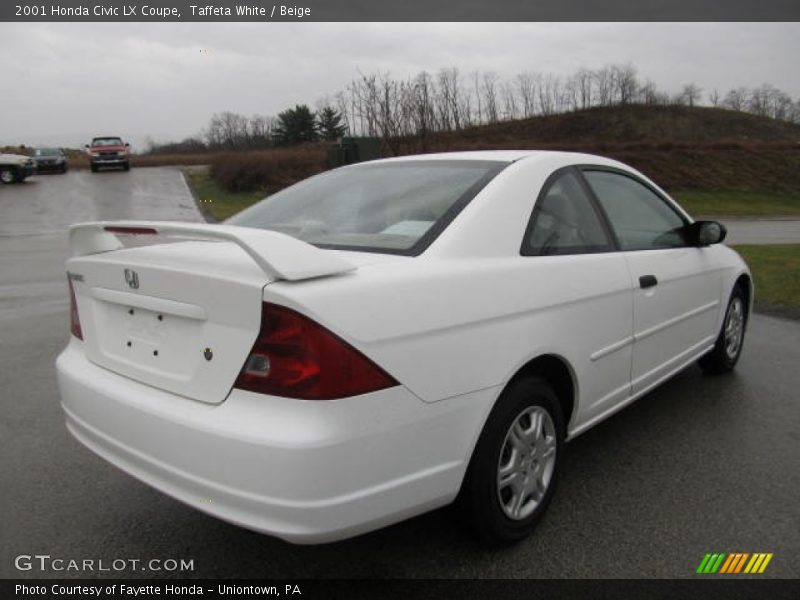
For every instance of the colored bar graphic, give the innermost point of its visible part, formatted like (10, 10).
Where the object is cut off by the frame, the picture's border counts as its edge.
(730, 563)
(727, 564)
(754, 561)
(711, 562)
(740, 564)
(735, 562)
(703, 563)
(764, 564)
(717, 563)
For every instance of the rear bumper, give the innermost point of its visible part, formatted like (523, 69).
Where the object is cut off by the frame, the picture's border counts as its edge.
(304, 471)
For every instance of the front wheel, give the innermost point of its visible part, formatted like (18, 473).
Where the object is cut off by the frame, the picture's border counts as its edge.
(512, 475)
(728, 347)
(126, 166)
(8, 176)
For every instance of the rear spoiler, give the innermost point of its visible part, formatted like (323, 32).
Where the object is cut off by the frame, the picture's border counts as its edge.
(280, 256)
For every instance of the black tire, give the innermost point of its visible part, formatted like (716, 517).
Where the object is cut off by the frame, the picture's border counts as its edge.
(126, 166)
(94, 168)
(64, 169)
(725, 354)
(8, 175)
(482, 498)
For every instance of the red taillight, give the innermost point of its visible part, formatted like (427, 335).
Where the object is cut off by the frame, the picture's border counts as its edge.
(298, 358)
(74, 318)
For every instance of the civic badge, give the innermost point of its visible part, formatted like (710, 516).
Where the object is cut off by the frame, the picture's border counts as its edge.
(132, 279)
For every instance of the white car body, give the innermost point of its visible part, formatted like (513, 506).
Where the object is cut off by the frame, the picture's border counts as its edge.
(452, 326)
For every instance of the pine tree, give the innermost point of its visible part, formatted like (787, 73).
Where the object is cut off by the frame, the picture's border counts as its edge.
(295, 126)
(329, 124)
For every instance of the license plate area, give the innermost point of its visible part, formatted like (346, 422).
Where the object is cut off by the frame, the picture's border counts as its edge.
(146, 332)
(148, 340)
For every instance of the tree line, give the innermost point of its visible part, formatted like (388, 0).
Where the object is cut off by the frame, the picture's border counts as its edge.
(228, 131)
(397, 109)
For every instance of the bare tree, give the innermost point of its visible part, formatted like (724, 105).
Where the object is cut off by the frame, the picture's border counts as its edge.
(583, 81)
(604, 83)
(737, 99)
(570, 95)
(648, 93)
(261, 129)
(476, 80)
(526, 90)
(489, 91)
(794, 116)
(509, 97)
(625, 83)
(689, 95)
(411, 111)
(449, 79)
(548, 92)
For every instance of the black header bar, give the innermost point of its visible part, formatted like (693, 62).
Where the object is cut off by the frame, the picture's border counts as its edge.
(398, 10)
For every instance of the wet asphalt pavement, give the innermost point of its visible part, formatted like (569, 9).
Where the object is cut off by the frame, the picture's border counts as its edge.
(703, 464)
(783, 230)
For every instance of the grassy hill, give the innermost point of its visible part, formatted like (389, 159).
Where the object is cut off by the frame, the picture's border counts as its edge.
(633, 123)
(715, 161)
(682, 148)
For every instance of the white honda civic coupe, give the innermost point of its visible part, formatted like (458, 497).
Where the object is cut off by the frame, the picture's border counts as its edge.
(386, 338)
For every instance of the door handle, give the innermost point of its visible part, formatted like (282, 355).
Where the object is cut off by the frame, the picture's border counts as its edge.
(647, 281)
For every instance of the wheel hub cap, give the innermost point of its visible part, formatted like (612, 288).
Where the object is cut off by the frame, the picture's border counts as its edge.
(526, 463)
(734, 328)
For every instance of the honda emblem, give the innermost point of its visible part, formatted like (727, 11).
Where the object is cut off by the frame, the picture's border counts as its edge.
(132, 279)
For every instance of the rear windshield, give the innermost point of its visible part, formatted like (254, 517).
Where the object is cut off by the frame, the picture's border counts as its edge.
(106, 142)
(396, 207)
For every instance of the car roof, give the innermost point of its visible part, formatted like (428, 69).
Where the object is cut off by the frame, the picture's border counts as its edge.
(507, 156)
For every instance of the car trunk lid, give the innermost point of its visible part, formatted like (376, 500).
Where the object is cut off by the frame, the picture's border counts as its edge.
(182, 316)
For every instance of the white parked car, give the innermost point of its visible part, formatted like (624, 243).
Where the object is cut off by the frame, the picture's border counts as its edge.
(385, 338)
(15, 168)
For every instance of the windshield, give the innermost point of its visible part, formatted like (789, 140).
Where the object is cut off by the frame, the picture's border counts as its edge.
(393, 207)
(47, 152)
(107, 142)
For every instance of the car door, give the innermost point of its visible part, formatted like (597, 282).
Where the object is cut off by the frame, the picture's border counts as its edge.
(573, 256)
(676, 289)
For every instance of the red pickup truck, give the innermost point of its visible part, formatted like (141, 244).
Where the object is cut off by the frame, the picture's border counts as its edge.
(108, 151)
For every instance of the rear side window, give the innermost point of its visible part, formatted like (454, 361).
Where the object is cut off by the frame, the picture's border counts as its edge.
(565, 221)
(641, 219)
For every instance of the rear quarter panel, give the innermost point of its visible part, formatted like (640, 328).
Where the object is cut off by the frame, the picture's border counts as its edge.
(470, 311)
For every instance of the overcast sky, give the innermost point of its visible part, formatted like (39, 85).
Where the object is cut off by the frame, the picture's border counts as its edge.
(64, 82)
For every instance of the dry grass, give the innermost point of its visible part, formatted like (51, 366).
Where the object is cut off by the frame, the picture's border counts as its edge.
(753, 167)
(268, 170)
(81, 161)
(635, 123)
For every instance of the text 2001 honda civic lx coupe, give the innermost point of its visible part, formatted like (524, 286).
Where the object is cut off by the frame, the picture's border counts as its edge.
(386, 338)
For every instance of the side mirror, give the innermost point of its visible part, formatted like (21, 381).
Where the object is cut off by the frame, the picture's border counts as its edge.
(127, 145)
(86, 146)
(705, 233)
